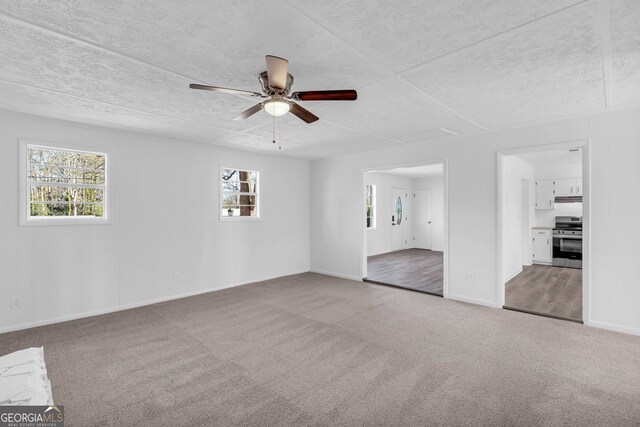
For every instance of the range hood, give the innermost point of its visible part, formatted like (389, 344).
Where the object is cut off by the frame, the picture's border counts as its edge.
(568, 199)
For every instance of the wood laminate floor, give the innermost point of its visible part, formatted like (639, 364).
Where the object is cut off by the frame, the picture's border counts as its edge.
(418, 269)
(554, 291)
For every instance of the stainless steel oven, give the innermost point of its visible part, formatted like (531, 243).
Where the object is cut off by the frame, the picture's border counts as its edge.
(567, 242)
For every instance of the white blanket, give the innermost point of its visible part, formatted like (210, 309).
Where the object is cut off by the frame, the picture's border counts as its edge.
(23, 378)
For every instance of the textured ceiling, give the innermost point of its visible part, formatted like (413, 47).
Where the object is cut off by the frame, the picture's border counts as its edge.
(423, 69)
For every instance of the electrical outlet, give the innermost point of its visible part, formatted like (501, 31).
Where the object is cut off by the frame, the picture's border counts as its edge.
(176, 276)
(470, 277)
(16, 302)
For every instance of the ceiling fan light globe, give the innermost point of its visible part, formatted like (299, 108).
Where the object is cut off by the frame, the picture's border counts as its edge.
(276, 107)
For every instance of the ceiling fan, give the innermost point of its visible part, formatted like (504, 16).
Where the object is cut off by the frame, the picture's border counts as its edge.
(276, 86)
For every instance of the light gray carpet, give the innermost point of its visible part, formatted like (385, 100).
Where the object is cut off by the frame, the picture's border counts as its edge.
(315, 350)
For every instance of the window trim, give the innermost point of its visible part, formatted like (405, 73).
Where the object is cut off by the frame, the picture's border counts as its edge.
(27, 220)
(223, 218)
(374, 217)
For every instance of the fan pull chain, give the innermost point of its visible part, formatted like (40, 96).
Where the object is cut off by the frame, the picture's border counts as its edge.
(279, 134)
(274, 129)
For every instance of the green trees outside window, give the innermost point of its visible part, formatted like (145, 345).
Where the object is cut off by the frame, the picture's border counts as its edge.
(65, 182)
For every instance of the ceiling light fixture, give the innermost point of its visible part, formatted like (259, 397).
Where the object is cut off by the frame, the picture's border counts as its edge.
(276, 107)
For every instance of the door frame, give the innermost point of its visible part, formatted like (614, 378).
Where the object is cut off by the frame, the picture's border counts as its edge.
(525, 218)
(585, 145)
(445, 188)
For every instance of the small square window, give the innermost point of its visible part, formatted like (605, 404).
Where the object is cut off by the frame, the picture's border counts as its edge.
(62, 185)
(238, 194)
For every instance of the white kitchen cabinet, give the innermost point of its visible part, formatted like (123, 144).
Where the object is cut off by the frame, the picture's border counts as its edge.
(564, 186)
(548, 189)
(568, 186)
(542, 246)
(545, 198)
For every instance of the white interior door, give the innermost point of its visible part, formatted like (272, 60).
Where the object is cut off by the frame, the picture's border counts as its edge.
(423, 218)
(399, 219)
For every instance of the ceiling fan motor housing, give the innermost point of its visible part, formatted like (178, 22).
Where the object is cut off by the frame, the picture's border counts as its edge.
(264, 82)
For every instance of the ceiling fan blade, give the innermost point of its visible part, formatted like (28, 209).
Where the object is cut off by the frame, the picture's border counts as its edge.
(326, 95)
(277, 69)
(248, 113)
(226, 90)
(302, 113)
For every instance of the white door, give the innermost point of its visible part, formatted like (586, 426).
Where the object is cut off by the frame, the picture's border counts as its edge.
(399, 219)
(423, 218)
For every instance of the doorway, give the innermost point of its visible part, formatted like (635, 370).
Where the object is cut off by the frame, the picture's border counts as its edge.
(543, 230)
(406, 232)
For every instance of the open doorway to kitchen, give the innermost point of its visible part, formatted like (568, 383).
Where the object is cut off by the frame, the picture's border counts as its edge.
(406, 227)
(543, 210)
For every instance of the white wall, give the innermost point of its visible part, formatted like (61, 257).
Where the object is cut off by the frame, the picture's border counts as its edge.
(553, 170)
(436, 184)
(336, 246)
(547, 218)
(515, 170)
(379, 238)
(164, 210)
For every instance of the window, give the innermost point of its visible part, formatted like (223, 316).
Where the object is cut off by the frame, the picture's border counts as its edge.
(238, 194)
(371, 206)
(61, 184)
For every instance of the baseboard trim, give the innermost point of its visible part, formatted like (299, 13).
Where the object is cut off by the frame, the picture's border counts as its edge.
(408, 288)
(334, 274)
(537, 313)
(613, 327)
(123, 307)
(476, 301)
